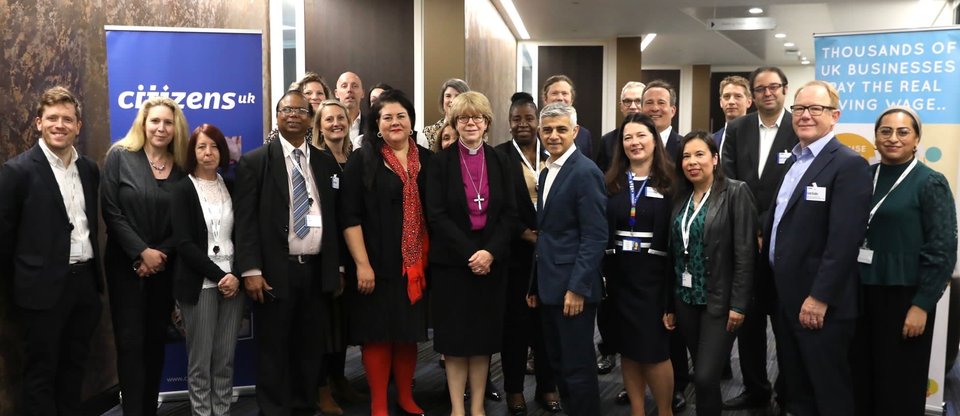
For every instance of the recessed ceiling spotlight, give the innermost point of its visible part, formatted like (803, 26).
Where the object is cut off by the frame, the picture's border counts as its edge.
(805, 62)
(789, 44)
(780, 35)
(755, 10)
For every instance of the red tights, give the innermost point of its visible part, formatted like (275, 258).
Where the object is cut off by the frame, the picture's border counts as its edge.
(379, 358)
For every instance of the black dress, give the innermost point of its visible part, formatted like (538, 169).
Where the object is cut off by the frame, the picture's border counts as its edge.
(636, 280)
(385, 315)
(467, 309)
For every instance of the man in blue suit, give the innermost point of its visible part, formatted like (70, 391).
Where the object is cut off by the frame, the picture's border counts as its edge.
(572, 236)
(811, 239)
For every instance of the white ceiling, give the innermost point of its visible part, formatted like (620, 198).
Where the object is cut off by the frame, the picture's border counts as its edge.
(683, 36)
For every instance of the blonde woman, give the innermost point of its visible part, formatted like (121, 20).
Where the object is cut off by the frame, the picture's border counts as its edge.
(138, 175)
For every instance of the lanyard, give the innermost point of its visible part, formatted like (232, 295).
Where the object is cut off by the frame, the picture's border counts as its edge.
(634, 198)
(686, 225)
(536, 172)
(876, 175)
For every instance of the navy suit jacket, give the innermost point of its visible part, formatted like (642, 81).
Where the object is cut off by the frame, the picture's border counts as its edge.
(572, 233)
(818, 242)
(718, 137)
(673, 145)
(35, 248)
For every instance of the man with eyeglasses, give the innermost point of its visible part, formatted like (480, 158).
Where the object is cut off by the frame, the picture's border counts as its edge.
(734, 101)
(287, 249)
(631, 99)
(756, 150)
(811, 244)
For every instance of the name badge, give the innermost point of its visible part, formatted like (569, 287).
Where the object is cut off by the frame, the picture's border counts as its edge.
(783, 157)
(632, 245)
(865, 256)
(653, 193)
(75, 249)
(816, 193)
(314, 221)
(335, 181)
(686, 279)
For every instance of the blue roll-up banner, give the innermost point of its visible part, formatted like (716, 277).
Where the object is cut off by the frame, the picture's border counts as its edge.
(216, 76)
(917, 68)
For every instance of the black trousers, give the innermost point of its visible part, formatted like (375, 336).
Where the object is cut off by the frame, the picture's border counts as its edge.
(679, 362)
(56, 346)
(140, 308)
(289, 346)
(752, 346)
(890, 372)
(569, 342)
(522, 329)
(816, 365)
(709, 342)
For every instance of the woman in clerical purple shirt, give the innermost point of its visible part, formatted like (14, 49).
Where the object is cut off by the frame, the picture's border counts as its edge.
(472, 217)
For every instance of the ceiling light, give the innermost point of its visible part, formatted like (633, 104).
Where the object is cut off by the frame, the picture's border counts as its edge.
(780, 35)
(805, 62)
(646, 40)
(755, 10)
(515, 18)
(789, 44)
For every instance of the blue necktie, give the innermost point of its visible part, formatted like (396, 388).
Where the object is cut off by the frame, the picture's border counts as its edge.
(300, 201)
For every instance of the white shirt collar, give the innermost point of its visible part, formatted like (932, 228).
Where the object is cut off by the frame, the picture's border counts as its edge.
(53, 158)
(665, 134)
(288, 148)
(563, 158)
(777, 124)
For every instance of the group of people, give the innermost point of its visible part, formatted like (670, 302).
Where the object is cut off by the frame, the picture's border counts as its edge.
(348, 228)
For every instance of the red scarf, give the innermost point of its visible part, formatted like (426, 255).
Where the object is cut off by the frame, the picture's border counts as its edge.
(414, 242)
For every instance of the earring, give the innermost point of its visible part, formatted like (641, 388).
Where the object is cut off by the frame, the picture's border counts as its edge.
(380, 135)
(411, 133)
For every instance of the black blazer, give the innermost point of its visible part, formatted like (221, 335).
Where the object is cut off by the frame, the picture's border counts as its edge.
(35, 248)
(730, 247)
(521, 251)
(741, 153)
(190, 233)
(673, 145)
(451, 242)
(262, 213)
(818, 242)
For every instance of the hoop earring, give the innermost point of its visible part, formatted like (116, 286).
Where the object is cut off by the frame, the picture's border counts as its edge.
(411, 133)
(380, 135)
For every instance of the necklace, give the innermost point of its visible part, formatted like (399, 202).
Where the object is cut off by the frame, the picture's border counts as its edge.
(154, 165)
(204, 187)
(483, 164)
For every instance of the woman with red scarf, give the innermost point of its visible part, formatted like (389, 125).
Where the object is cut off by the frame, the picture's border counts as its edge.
(386, 233)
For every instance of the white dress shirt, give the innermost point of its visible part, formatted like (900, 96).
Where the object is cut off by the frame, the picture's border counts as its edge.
(355, 133)
(767, 135)
(553, 168)
(71, 189)
(310, 244)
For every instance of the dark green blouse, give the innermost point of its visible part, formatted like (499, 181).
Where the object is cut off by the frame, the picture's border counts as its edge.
(913, 235)
(693, 261)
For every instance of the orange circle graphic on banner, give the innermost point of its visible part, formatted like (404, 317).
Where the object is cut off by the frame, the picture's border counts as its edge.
(858, 143)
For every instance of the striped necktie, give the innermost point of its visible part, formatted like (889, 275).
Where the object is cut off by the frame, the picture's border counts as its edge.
(300, 201)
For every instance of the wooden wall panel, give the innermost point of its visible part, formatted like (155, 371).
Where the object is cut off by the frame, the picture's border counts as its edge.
(373, 38)
(52, 42)
(702, 99)
(491, 62)
(629, 69)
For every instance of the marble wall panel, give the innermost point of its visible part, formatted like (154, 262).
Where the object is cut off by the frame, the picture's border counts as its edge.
(55, 42)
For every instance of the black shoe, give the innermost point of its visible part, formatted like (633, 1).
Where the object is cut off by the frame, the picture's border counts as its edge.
(679, 402)
(623, 398)
(746, 401)
(519, 409)
(402, 412)
(491, 392)
(552, 406)
(606, 363)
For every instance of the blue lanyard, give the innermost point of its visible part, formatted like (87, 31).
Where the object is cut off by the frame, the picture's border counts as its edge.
(634, 197)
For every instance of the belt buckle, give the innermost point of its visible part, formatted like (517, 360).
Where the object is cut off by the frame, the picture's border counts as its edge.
(301, 259)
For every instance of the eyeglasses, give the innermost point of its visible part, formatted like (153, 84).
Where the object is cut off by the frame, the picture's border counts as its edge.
(289, 111)
(773, 88)
(628, 102)
(815, 110)
(466, 119)
(887, 132)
